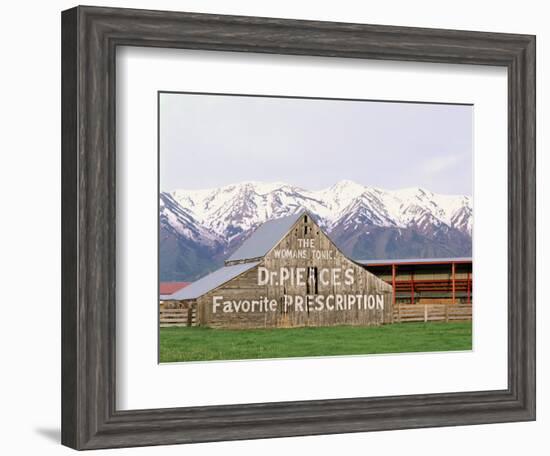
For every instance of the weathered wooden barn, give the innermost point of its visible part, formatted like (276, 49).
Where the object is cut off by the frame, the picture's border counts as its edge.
(288, 273)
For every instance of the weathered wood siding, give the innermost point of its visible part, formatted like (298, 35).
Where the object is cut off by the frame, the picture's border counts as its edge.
(320, 256)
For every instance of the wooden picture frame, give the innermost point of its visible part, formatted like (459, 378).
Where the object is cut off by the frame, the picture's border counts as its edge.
(90, 36)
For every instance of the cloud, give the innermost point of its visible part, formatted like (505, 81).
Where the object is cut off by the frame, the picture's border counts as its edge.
(441, 163)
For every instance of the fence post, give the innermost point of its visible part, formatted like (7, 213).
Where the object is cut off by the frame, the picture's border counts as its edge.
(425, 313)
(190, 315)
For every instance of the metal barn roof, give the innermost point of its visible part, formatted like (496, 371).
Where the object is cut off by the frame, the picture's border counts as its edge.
(212, 281)
(414, 261)
(264, 238)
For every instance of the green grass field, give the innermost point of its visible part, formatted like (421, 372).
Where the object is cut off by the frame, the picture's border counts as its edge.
(204, 344)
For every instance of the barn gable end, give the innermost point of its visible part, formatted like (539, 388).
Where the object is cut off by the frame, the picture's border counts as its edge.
(292, 275)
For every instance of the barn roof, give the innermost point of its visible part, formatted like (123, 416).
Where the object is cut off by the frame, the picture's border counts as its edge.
(212, 281)
(264, 238)
(413, 261)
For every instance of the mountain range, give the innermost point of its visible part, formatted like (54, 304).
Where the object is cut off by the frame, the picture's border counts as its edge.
(199, 229)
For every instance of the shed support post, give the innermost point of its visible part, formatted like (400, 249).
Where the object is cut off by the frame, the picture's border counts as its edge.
(453, 269)
(469, 290)
(393, 269)
(412, 287)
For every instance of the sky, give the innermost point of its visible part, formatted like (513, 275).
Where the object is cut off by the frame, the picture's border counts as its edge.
(208, 141)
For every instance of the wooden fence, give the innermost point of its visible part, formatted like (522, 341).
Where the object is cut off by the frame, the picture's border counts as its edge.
(178, 317)
(431, 312)
(402, 313)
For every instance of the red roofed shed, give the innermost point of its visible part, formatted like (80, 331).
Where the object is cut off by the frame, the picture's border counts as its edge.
(167, 288)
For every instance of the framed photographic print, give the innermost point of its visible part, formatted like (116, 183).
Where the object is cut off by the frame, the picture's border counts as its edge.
(279, 228)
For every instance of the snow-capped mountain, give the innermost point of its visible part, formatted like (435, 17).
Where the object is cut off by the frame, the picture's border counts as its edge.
(365, 222)
(181, 221)
(237, 208)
